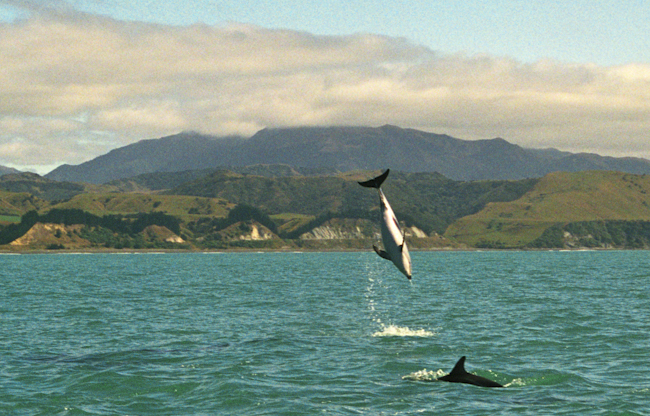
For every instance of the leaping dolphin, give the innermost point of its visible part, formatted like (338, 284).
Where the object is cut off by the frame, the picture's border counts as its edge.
(459, 375)
(392, 236)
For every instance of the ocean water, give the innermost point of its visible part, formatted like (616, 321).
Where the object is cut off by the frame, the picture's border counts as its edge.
(567, 333)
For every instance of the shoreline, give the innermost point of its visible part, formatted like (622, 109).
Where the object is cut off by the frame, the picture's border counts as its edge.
(292, 250)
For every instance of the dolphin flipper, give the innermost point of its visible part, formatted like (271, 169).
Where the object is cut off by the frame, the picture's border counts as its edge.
(382, 253)
(376, 182)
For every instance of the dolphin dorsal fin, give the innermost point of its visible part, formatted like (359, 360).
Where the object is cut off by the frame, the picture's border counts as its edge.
(459, 368)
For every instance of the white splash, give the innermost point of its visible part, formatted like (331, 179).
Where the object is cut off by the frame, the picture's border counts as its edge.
(424, 375)
(516, 382)
(399, 331)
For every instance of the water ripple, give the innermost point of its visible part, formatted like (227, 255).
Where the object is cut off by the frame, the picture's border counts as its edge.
(332, 333)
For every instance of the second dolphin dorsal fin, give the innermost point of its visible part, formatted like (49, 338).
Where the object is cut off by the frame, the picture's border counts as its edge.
(376, 182)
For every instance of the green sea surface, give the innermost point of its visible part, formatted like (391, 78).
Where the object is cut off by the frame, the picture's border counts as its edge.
(567, 333)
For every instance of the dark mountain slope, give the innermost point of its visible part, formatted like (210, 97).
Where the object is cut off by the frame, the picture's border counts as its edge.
(408, 150)
(342, 149)
(41, 187)
(4, 170)
(181, 152)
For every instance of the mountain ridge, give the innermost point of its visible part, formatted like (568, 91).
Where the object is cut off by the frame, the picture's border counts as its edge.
(5, 170)
(342, 149)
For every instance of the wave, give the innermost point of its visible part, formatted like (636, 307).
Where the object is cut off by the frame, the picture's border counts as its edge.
(424, 375)
(399, 331)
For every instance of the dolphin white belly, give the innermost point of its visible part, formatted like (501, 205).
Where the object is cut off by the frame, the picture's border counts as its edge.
(392, 236)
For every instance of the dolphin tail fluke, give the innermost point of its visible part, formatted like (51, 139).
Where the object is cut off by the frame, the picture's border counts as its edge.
(376, 182)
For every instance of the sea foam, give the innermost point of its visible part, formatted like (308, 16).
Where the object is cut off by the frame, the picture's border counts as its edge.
(424, 375)
(399, 331)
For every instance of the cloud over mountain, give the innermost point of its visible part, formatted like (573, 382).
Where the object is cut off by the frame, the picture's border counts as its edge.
(74, 86)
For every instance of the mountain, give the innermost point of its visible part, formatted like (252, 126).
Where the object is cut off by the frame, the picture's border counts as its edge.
(158, 181)
(44, 188)
(181, 152)
(4, 170)
(342, 149)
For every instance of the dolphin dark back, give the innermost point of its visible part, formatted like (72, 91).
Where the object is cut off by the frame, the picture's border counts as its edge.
(459, 375)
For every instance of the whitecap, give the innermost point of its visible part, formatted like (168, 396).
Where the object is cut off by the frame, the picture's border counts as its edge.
(424, 375)
(516, 382)
(399, 331)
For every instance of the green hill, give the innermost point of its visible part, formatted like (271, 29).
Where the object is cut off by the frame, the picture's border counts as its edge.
(586, 209)
(185, 207)
(46, 189)
(557, 199)
(15, 204)
(428, 201)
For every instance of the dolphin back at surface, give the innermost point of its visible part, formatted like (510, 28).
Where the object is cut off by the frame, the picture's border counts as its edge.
(459, 375)
(392, 236)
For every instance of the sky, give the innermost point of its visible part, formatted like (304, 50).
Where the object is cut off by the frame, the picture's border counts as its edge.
(82, 77)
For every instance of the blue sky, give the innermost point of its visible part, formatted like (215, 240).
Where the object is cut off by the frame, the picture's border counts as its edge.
(571, 75)
(604, 32)
(598, 31)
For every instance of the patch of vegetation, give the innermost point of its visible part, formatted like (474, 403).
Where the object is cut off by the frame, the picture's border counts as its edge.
(586, 209)
(40, 187)
(428, 201)
(184, 207)
(10, 218)
(127, 226)
(596, 234)
(559, 198)
(210, 227)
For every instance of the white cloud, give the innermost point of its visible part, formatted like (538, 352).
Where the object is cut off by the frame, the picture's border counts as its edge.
(74, 86)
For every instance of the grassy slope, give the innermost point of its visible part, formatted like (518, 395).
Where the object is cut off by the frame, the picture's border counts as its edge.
(17, 203)
(558, 198)
(427, 200)
(184, 207)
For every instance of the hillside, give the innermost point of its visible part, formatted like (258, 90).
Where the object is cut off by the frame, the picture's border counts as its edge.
(428, 201)
(340, 149)
(18, 203)
(44, 188)
(558, 198)
(184, 207)
(182, 152)
(4, 170)
(225, 209)
(167, 180)
(300, 211)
